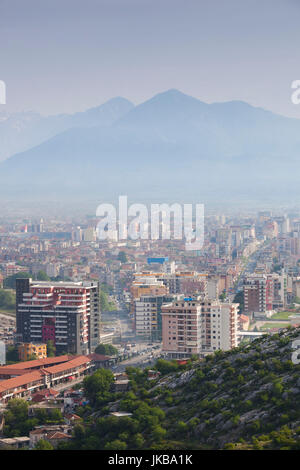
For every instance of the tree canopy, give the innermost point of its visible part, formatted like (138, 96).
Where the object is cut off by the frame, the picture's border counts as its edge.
(106, 349)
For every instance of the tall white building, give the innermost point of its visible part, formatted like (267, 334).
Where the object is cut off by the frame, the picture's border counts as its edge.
(192, 326)
(2, 353)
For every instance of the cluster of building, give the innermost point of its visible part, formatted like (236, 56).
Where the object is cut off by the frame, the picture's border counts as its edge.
(181, 308)
(23, 379)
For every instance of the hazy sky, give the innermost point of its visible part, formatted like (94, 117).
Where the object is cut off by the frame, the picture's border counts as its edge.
(68, 55)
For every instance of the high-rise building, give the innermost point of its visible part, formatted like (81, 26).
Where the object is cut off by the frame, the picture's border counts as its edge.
(89, 234)
(148, 322)
(2, 353)
(264, 292)
(193, 326)
(68, 313)
(145, 286)
(258, 293)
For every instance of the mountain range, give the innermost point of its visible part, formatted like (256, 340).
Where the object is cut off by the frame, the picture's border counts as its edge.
(172, 147)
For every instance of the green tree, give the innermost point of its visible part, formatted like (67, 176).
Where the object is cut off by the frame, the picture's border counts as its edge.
(98, 383)
(158, 433)
(7, 300)
(105, 305)
(10, 281)
(122, 257)
(138, 440)
(222, 296)
(106, 349)
(31, 357)
(239, 299)
(117, 444)
(12, 354)
(16, 418)
(41, 276)
(165, 367)
(42, 444)
(50, 348)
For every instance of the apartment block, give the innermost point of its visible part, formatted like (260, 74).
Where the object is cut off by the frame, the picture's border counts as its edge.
(148, 322)
(264, 292)
(178, 282)
(26, 350)
(68, 313)
(193, 326)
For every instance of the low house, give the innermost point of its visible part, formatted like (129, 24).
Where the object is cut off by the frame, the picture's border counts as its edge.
(244, 322)
(121, 382)
(121, 385)
(15, 442)
(42, 395)
(55, 437)
(153, 374)
(72, 418)
(47, 405)
(101, 361)
(72, 399)
(53, 434)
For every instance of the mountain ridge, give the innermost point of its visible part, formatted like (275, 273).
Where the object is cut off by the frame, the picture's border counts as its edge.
(223, 146)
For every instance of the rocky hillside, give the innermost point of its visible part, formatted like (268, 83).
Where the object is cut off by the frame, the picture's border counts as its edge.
(247, 398)
(244, 399)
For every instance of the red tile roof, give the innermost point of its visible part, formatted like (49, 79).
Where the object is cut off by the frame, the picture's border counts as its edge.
(99, 357)
(77, 361)
(57, 435)
(244, 318)
(39, 362)
(19, 381)
(37, 375)
(11, 371)
(46, 391)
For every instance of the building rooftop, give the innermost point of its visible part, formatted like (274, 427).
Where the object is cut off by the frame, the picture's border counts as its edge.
(36, 363)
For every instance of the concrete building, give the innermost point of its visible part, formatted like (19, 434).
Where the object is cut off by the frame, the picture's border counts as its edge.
(192, 326)
(23, 379)
(2, 353)
(264, 292)
(26, 350)
(147, 314)
(145, 286)
(179, 282)
(68, 313)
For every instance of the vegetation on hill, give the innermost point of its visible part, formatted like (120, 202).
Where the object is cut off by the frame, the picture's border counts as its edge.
(18, 423)
(247, 398)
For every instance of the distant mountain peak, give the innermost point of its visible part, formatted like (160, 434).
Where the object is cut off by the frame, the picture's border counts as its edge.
(173, 142)
(173, 94)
